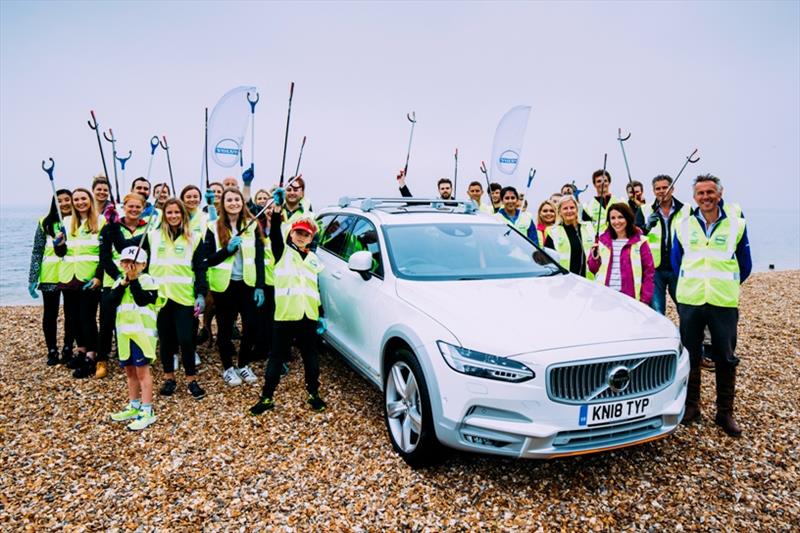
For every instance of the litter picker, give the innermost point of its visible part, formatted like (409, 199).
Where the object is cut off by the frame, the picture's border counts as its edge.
(122, 161)
(49, 171)
(264, 209)
(165, 146)
(205, 152)
(110, 138)
(622, 140)
(531, 175)
(93, 124)
(455, 174)
(412, 118)
(252, 130)
(154, 144)
(602, 196)
(299, 157)
(488, 185)
(286, 135)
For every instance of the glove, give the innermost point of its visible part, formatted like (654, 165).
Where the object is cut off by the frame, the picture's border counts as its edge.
(248, 175)
(59, 238)
(212, 213)
(258, 297)
(88, 285)
(322, 325)
(211, 197)
(199, 305)
(279, 196)
(110, 213)
(148, 210)
(233, 244)
(652, 220)
(32, 286)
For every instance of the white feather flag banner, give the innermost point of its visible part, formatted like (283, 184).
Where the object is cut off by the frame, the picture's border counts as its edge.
(507, 147)
(227, 127)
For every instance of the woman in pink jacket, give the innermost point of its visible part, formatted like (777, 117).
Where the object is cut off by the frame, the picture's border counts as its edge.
(621, 259)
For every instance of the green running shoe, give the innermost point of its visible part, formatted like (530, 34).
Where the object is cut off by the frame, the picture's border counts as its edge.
(142, 421)
(316, 403)
(263, 405)
(126, 414)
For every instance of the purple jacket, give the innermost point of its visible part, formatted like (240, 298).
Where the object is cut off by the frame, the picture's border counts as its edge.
(626, 271)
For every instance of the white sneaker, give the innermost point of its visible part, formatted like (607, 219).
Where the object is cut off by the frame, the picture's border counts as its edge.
(177, 362)
(197, 360)
(231, 377)
(248, 375)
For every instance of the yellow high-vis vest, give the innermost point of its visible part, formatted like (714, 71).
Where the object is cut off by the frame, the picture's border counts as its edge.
(709, 269)
(83, 252)
(219, 276)
(48, 272)
(558, 235)
(171, 267)
(137, 323)
(296, 286)
(636, 265)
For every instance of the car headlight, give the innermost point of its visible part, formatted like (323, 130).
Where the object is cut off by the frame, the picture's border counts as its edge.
(483, 365)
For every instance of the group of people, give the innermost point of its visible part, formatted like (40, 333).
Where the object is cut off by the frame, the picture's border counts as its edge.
(155, 267)
(699, 256)
(152, 268)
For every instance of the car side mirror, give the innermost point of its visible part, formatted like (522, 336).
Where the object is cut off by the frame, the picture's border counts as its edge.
(361, 262)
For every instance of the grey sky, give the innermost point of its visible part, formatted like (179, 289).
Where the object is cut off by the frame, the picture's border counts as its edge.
(722, 77)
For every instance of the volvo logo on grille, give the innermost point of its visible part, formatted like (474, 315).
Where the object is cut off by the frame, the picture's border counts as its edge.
(619, 378)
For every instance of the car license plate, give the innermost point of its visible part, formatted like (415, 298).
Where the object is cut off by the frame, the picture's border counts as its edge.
(604, 413)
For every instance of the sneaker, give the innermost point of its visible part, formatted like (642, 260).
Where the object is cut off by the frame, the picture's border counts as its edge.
(87, 369)
(197, 360)
(231, 377)
(196, 390)
(263, 405)
(66, 356)
(317, 404)
(248, 375)
(52, 357)
(284, 369)
(101, 370)
(75, 361)
(176, 362)
(168, 388)
(128, 413)
(142, 421)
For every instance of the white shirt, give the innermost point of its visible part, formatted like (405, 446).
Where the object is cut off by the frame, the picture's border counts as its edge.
(615, 277)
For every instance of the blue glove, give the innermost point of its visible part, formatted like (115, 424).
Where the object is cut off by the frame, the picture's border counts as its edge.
(211, 197)
(322, 325)
(652, 220)
(233, 244)
(199, 304)
(258, 297)
(212, 213)
(88, 285)
(279, 196)
(32, 286)
(60, 238)
(248, 175)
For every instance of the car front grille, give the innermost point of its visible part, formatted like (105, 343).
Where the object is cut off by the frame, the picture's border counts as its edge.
(580, 383)
(607, 436)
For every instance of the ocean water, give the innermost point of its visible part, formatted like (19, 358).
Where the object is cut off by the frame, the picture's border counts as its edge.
(774, 240)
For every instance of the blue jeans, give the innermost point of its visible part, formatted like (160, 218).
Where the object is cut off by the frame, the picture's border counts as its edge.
(663, 280)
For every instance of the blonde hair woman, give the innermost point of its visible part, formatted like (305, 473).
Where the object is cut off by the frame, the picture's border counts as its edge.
(571, 238)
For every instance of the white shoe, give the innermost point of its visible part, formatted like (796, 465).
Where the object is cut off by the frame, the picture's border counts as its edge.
(231, 377)
(197, 360)
(177, 362)
(248, 375)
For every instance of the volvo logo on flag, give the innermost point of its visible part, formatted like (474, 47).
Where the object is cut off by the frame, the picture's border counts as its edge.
(507, 162)
(226, 153)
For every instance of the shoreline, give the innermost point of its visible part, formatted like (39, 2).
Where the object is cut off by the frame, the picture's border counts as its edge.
(209, 464)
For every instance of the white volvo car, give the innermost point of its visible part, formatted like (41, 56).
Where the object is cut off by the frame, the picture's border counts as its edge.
(480, 341)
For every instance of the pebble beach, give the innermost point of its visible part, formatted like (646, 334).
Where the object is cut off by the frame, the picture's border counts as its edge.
(65, 466)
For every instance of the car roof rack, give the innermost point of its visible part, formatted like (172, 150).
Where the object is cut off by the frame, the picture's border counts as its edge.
(410, 205)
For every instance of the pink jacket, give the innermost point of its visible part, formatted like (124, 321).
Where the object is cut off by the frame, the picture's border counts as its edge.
(626, 271)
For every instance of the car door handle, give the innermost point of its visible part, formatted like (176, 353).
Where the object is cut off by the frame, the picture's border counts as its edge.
(337, 275)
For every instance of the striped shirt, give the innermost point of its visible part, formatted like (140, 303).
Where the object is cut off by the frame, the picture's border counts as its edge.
(614, 276)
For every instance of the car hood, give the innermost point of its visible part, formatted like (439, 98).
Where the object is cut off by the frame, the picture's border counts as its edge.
(510, 317)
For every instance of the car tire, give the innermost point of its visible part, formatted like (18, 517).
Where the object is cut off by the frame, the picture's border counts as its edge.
(407, 411)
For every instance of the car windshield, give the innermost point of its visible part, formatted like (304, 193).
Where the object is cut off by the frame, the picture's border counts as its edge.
(452, 251)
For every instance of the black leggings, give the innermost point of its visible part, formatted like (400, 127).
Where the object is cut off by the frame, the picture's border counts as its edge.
(237, 298)
(108, 320)
(50, 301)
(176, 329)
(72, 313)
(304, 332)
(86, 317)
